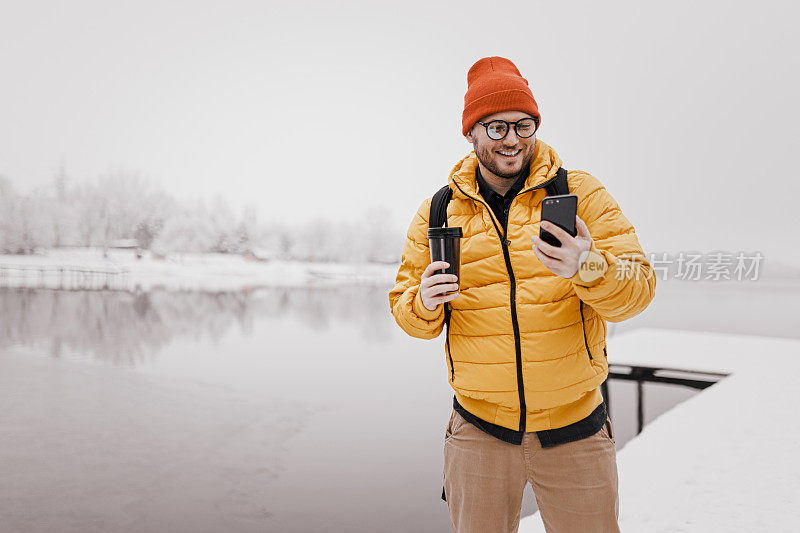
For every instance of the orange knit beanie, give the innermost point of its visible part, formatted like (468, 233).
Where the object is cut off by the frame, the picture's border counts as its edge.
(494, 84)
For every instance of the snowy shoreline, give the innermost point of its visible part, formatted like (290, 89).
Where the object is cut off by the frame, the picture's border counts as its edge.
(86, 268)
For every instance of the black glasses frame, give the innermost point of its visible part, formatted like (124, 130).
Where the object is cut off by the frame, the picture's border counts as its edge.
(508, 127)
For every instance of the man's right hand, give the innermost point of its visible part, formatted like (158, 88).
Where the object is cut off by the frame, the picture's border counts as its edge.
(432, 287)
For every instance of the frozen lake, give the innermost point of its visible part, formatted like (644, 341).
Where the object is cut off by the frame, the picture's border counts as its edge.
(287, 410)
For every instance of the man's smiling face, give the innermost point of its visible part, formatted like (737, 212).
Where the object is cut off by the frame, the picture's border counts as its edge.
(508, 156)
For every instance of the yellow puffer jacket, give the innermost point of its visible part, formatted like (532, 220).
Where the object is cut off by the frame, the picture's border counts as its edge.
(515, 321)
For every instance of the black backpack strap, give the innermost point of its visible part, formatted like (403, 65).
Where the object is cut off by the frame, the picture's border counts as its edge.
(438, 216)
(559, 185)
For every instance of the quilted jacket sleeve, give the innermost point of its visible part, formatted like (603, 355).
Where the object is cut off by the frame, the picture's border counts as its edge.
(404, 299)
(628, 283)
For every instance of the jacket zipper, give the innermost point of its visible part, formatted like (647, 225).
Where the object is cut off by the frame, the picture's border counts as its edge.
(514, 321)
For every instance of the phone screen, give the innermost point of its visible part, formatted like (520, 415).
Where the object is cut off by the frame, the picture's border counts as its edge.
(560, 210)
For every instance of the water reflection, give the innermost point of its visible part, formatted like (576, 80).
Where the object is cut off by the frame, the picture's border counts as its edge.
(130, 328)
(243, 407)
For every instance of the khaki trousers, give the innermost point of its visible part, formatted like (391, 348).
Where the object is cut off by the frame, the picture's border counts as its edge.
(575, 483)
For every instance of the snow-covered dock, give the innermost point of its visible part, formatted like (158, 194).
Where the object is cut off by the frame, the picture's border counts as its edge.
(724, 460)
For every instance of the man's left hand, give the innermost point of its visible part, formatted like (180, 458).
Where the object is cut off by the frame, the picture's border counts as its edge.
(563, 261)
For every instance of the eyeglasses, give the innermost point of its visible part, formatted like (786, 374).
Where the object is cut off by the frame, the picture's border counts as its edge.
(498, 129)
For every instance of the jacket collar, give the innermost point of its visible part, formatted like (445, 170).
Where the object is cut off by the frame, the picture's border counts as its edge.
(544, 165)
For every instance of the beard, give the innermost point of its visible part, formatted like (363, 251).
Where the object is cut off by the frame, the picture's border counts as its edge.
(487, 157)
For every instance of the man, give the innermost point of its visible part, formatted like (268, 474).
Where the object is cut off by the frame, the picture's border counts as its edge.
(526, 346)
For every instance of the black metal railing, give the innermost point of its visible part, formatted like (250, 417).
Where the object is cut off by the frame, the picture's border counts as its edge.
(649, 374)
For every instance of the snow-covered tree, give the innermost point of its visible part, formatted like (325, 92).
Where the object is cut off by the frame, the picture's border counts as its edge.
(185, 232)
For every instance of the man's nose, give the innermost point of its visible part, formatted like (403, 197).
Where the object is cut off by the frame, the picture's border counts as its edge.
(511, 137)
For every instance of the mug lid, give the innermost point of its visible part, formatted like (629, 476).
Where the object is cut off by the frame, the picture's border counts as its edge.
(445, 233)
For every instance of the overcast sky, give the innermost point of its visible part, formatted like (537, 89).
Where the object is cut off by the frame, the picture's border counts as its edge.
(686, 111)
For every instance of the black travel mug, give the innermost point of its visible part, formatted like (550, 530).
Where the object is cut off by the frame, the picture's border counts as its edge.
(445, 245)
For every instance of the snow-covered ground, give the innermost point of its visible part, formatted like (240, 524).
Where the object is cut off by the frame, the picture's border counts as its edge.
(726, 459)
(122, 270)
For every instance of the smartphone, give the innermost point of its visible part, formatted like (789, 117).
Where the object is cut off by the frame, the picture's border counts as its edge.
(560, 210)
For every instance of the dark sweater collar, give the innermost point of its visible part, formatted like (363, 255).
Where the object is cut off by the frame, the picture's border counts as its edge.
(488, 193)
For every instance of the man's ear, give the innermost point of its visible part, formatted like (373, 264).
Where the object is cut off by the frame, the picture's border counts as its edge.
(469, 134)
